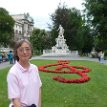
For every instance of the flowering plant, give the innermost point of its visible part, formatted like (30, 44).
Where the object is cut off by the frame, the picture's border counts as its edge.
(79, 70)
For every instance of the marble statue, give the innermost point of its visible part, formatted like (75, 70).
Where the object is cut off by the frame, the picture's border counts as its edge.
(61, 47)
(61, 30)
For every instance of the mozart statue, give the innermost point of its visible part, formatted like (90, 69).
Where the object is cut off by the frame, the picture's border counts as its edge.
(61, 30)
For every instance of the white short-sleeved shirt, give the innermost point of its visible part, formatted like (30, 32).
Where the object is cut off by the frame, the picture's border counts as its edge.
(24, 84)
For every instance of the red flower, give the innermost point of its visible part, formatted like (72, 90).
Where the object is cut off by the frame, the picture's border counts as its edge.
(79, 70)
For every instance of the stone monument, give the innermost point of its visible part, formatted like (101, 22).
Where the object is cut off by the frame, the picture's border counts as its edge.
(60, 48)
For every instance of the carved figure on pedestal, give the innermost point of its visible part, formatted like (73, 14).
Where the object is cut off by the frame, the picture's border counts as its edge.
(61, 31)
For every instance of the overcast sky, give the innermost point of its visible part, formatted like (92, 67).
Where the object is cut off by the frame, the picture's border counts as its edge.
(39, 10)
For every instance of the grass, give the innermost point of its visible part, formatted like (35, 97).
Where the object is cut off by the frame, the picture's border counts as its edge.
(56, 94)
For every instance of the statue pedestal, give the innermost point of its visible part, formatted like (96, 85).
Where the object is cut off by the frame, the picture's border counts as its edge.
(60, 48)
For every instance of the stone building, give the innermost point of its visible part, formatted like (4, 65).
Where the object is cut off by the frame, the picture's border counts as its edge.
(23, 26)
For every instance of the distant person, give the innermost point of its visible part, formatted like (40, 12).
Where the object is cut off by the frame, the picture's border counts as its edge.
(99, 56)
(10, 57)
(0, 57)
(3, 56)
(102, 57)
(24, 84)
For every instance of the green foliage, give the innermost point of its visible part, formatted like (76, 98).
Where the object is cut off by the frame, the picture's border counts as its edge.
(88, 40)
(6, 28)
(97, 16)
(105, 54)
(40, 40)
(72, 22)
(55, 94)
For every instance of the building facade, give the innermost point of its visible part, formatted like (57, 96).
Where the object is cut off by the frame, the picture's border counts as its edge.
(23, 26)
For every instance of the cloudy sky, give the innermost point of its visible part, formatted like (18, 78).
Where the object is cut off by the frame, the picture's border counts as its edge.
(39, 10)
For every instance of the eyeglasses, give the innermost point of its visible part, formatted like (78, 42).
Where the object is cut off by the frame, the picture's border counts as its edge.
(24, 49)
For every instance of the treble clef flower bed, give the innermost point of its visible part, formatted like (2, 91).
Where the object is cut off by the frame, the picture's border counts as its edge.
(63, 64)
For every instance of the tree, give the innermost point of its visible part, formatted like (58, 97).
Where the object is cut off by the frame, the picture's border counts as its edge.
(6, 28)
(40, 40)
(97, 17)
(71, 21)
(88, 40)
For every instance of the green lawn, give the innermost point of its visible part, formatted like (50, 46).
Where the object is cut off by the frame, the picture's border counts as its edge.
(56, 94)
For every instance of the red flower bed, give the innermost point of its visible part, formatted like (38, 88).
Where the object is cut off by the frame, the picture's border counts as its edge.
(79, 70)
